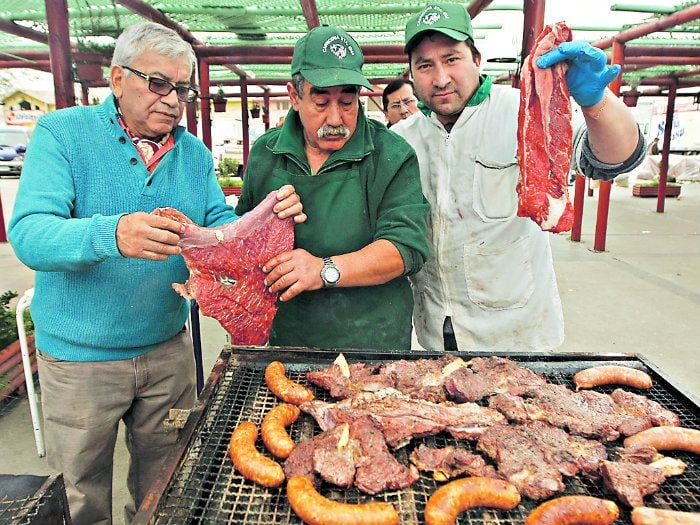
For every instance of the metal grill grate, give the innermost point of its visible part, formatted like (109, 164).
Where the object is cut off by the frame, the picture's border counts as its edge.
(33, 500)
(205, 490)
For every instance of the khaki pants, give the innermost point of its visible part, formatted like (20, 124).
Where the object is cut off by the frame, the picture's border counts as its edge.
(83, 403)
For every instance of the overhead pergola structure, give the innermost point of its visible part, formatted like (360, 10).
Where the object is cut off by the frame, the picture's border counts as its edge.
(248, 44)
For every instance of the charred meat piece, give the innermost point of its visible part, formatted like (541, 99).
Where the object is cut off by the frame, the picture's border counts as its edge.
(534, 456)
(450, 462)
(422, 378)
(346, 455)
(402, 418)
(631, 481)
(586, 413)
(490, 375)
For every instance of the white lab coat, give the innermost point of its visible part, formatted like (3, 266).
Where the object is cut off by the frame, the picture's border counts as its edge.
(490, 271)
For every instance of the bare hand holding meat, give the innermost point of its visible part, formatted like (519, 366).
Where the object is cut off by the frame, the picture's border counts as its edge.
(147, 236)
(225, 266)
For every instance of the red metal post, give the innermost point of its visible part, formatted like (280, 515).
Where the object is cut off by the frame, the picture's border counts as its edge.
(60, 52)
(205, 106)
(663, 172)
(191, 110)
(579, 189)
(533, 23)
(244, 120)
(266, 109)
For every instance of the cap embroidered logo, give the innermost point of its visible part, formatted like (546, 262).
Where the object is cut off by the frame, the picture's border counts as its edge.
(431, 15)
(339, 49)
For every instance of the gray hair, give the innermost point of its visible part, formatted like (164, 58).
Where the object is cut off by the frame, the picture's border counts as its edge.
(149, 36)
(298, 83)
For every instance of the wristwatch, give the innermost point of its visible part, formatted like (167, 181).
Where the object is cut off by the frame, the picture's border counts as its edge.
(330, 274)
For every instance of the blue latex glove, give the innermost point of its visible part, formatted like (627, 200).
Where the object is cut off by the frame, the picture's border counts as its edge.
(588, 74)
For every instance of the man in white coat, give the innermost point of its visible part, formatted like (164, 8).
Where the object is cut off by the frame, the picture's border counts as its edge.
(490, 284)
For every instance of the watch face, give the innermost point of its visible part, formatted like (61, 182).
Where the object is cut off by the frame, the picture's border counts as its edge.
(331, 274)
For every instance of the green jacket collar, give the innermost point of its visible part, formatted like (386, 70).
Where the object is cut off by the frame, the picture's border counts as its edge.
(290, 141)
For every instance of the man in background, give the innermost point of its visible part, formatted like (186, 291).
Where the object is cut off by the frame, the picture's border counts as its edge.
(399, 101)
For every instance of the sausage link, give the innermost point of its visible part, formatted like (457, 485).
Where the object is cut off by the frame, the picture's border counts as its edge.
(649, 516)
(574, 510)
(314, 509)
(448, 501)
(273, 430)
(251, 463)
(667, 438)
(612, 375)
(284, 388)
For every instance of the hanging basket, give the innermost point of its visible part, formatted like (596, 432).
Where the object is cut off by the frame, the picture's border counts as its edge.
(255, 112)
(220, 106)
(630, 98)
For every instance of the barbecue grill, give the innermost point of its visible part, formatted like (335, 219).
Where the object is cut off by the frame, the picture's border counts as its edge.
(199, 486)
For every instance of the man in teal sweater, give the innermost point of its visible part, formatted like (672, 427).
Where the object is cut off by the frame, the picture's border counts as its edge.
(109, 327)
(344, 285)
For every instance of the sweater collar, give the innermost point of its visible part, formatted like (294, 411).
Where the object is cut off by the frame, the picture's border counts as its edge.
(290, 141)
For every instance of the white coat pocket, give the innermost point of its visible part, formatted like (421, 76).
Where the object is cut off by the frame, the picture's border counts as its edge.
(499, 277)
(495, 198)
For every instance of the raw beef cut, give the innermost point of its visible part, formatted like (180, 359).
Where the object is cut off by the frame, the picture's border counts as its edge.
(225, 264)
(545, 137)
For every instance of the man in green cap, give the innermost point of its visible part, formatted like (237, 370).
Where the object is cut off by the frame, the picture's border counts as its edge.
(490, 285)
(345, 284)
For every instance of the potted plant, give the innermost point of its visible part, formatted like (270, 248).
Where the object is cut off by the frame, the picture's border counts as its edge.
(228, 180)
(11, 368)
(219, 101)
(651, 189)
(255, 110)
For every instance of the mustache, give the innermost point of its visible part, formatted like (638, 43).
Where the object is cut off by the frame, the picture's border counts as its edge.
(326, 131)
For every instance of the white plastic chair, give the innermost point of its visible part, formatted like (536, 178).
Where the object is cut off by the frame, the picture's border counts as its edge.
(22, 305)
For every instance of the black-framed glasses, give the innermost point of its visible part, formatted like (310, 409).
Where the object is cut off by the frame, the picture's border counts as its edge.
(162, 87)
(408, 102)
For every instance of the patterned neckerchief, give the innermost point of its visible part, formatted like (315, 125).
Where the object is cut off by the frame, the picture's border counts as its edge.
(150, 151)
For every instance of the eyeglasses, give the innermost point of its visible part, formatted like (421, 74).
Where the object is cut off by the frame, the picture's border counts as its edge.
(162, 87)
(408, 102)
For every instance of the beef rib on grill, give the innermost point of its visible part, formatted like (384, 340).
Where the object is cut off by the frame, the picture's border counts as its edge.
(545, 137)
(225, 265)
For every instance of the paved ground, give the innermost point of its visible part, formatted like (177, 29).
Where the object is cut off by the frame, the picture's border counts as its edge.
(642, 296)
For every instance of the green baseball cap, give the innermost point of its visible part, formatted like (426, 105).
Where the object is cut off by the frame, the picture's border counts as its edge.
(327, 56)
(452, 20)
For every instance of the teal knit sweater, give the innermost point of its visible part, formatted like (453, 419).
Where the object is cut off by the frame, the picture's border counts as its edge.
(81, 174)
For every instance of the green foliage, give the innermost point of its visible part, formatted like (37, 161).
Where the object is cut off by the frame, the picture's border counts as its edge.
(8, 322)
(230, 181)
(228, 167)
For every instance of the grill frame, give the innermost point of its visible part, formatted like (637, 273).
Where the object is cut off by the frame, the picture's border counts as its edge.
(197, 484)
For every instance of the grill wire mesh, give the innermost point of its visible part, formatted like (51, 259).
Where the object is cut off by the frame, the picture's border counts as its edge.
(46, 506)
(206, 490)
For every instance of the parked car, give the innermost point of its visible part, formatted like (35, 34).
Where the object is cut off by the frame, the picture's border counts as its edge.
(13, 144)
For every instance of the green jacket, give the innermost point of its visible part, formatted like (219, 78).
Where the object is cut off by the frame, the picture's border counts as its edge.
(367, 191)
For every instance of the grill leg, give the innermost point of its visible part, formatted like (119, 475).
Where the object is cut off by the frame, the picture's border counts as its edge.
(197, 343)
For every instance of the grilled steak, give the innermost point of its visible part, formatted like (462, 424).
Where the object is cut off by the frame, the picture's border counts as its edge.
(631, 481)
(401, 418)
(490, 375)
(422, 378)
(534, 456)
(364, 460)
(450, 462)
(586, 413)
